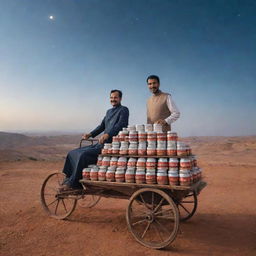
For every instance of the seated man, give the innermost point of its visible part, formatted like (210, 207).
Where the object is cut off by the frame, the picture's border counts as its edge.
(115, 119)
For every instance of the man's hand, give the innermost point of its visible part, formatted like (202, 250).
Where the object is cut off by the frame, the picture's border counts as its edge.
(86, 136)
(103, 138)
(161, 121)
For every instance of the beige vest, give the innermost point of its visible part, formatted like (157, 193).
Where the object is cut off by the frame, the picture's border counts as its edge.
(157, 109)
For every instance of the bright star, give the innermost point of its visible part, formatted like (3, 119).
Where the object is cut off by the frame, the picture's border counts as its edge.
(51, 17)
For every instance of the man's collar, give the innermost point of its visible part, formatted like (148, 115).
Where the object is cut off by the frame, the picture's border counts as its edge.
(117, 106)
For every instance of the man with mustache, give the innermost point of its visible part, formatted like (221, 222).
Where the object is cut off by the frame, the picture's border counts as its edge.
(115, 119)
(161, 108)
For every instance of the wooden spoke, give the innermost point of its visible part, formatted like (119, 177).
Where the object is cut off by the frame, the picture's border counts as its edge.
(56, 208)
(158, 232)
(162, 226)
(145, 231)
(144, 202)
(52, 202)
(139, 222)
(159, 204)
(184, 208)
(64, 205)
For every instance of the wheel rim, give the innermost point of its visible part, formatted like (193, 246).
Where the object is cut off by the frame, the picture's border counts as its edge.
(152, 218)
(57, 205)
(88, 201)
(187, 206)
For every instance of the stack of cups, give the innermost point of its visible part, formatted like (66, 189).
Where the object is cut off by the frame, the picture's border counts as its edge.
(140, 176)
(124, 148)
(115, 147)
(173, 173)
(161, 144)
(171, 143)
(162, 167)
(148, 127)
(151, 171)
(185, 176)
(133, 148)
(151, 139)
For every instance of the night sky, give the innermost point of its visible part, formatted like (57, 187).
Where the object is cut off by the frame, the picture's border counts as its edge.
(59, 59)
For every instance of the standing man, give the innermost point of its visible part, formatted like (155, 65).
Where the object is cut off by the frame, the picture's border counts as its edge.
(161, 108)
(115, 119)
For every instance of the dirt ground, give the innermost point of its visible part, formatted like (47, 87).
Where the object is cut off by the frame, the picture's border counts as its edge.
(224, 224)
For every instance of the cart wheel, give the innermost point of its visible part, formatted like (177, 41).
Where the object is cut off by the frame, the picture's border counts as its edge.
(88, 201)
(152, 218)
(58, 205)
(187, 206)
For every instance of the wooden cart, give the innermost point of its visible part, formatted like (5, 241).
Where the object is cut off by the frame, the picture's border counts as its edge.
(153, 214)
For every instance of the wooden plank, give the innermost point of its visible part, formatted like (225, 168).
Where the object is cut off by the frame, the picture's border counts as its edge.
(107, 184)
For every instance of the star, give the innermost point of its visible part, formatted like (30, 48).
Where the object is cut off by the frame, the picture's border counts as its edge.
(51, 17)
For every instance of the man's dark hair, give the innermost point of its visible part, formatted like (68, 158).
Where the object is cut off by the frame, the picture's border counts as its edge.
(119, 92)
(154, 77)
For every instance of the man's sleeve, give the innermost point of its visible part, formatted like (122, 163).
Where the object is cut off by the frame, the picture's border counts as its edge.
(175, 113)
(99, 129)
(122, 122)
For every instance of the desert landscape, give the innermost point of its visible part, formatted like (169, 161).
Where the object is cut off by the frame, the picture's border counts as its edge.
(224, 224)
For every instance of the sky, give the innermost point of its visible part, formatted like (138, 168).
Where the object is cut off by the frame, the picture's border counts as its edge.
(59, 59)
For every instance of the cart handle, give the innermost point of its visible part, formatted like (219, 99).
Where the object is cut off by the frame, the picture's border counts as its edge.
(90, 140)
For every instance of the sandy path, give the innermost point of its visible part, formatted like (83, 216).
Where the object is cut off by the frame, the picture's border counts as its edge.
(225, 222)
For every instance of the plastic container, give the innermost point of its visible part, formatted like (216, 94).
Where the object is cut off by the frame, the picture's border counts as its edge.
(102, 173)
(86, 173)
(158, 128)
(141, 162)
(148, 127)
(140, 176)
(150, 176)
(162, 163)
(99, 160)
(94, 174)
(162, 178)
(120, 174)
(161, 136)
(113, 161)
(130, 175)
(122, 162)
(185, 178)
(110, 174)
(106, 161)
(132, 162)
(185, 164)
(173, 177)
(142, 136)
(172, 136)
(151, 163)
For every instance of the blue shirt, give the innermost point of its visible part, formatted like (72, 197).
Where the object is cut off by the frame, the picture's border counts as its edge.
(115, 119)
